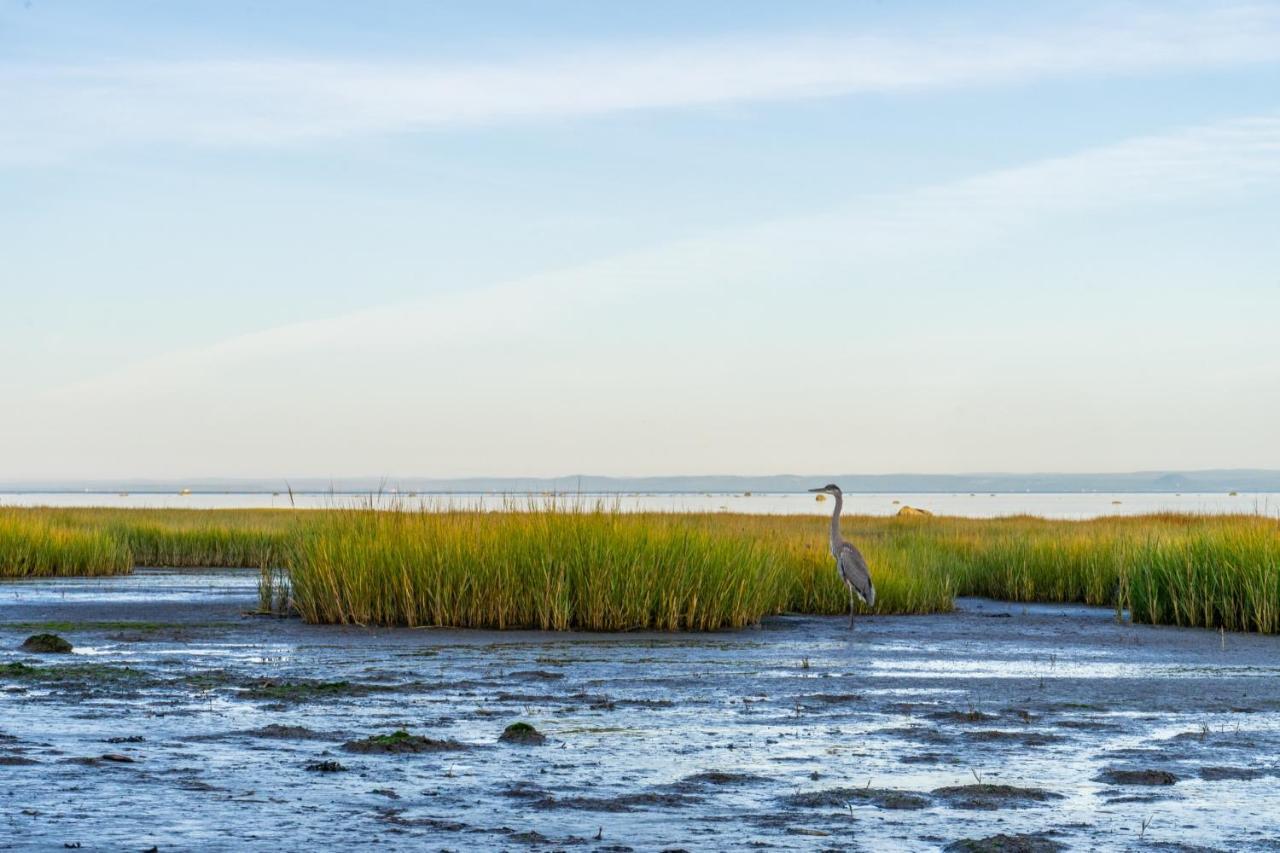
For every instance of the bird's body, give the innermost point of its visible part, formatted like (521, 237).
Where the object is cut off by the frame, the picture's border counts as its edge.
(849, 560)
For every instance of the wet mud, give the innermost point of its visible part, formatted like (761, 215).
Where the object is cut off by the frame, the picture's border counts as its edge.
(177, 723)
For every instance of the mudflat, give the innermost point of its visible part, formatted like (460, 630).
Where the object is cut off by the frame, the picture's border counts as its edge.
(177, 722)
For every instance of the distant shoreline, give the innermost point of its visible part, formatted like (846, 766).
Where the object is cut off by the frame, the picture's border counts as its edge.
(1251, 480)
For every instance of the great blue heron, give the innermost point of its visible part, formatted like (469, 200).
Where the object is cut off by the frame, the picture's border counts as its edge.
(849, 561)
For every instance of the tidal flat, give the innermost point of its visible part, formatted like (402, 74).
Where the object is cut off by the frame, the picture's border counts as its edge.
(180, 723)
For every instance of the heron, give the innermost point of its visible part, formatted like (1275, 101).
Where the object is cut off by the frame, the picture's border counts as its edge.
(849, 560)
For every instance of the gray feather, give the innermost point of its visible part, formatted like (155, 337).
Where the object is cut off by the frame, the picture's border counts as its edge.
(854, 572)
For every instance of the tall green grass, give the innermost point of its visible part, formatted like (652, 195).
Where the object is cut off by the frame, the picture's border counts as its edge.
(36, 547)
(565, 567)
(178, 538)
(553, 570)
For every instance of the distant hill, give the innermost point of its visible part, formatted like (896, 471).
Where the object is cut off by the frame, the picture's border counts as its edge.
(1219, 480)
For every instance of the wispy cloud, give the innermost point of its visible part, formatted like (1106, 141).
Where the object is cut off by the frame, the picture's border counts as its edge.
(51, 112)
(867, 236)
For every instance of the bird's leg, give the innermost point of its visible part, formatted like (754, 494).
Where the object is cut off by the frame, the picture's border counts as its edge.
(850, 608)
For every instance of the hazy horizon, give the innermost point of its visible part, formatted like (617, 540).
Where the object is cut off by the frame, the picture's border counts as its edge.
(1204, 481)
(493, 237)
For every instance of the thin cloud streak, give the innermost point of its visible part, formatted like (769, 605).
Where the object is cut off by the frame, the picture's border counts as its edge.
(58, 112)
(1213, 161)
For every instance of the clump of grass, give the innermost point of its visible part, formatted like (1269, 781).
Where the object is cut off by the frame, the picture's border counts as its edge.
(207, 544)
(546, 569)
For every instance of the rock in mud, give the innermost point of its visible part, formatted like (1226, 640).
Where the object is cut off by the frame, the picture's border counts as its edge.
(277, 731)
(987, 797)
(720, 777)
(1005, 844)
(401, 743)
(884, 798)
(1136, 777)
(970, 716)
(1235, 774)
(522, 734)
(536, 675)
(46, 644)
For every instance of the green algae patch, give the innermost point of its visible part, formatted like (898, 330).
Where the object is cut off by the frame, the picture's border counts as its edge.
(1005, 844)
(106, 625)
(306, 690)
(86, 674)
(401, 743)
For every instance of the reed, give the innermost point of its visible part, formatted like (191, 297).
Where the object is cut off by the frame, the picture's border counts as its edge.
(181, 538)
(592, 567)
(547, 569)
(36, 547)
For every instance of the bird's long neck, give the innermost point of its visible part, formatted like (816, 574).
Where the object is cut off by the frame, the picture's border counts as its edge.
(835, 525)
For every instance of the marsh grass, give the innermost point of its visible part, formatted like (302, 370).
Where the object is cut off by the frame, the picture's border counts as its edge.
(557, 569)
(567, 566)
(36, 546)
(182, 538)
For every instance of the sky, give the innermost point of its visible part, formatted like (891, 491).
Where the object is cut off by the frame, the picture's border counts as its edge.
(542, 238)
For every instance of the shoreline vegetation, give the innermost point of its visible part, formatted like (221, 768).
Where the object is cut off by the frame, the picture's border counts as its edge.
(591, 567)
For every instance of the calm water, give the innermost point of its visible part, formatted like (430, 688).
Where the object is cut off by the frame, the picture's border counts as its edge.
(975, 506)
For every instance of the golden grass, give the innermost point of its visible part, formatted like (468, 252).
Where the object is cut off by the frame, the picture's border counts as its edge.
(595, 568)
(576, 569)
(35, 546)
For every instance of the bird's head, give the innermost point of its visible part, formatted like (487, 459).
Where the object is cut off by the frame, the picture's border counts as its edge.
(829, 489)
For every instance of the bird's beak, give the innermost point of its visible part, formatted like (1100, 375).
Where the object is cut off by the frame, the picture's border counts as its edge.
(817, 490)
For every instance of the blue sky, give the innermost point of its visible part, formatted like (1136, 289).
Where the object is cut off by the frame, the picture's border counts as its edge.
(292, 239)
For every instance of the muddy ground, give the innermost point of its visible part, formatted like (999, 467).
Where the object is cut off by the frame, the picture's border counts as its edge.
(178, 723)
